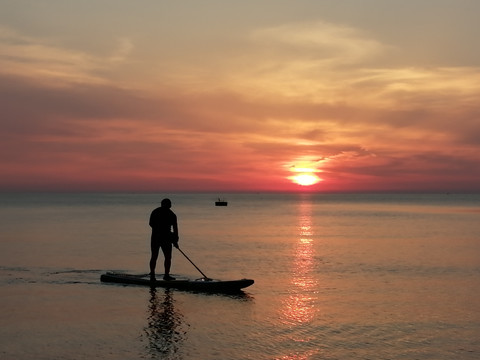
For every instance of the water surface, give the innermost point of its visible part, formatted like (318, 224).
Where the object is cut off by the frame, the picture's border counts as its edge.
(336, 277)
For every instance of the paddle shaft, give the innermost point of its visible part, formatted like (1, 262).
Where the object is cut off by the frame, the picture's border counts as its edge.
(196, 267)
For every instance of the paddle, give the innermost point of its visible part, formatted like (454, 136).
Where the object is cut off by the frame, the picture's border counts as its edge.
(196, 267)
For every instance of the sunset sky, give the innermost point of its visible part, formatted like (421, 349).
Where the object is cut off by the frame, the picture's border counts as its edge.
(219, 95)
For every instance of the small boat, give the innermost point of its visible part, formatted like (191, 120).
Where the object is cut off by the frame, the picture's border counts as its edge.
(221, 202)
(199, 285)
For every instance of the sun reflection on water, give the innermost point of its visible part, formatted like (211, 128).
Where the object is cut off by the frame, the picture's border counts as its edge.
(299, 306)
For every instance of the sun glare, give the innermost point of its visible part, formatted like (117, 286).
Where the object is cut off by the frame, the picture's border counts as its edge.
(306, 179)
(305, 170)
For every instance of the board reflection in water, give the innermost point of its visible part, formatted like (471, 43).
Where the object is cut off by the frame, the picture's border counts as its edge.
(166, 329)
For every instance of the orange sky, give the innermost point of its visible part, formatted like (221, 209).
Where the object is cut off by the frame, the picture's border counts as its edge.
(240, 96)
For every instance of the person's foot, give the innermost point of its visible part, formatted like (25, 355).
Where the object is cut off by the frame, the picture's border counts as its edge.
(168, 278)
(152, 277)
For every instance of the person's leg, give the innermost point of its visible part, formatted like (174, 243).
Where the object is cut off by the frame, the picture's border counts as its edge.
(155, 248)
(167, 253)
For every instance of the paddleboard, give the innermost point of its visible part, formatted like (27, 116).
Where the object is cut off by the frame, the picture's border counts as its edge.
(203, 285)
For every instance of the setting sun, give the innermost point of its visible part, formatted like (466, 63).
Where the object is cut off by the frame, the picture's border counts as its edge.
(306, 179)
(305, 169)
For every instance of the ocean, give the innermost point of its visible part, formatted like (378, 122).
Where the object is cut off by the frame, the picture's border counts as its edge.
(337, 276)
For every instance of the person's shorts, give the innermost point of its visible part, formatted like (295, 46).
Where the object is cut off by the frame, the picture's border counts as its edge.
(164, 243)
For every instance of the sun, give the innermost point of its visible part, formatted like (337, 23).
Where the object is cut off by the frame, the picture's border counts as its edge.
(305, 170)
(306, 179)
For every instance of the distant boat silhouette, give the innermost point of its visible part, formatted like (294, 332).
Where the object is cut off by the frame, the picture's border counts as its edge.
(221, 202)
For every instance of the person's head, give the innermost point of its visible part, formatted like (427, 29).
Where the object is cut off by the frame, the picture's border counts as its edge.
(166, 203)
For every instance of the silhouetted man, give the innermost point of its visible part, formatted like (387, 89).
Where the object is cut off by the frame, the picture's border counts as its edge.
(164, 233)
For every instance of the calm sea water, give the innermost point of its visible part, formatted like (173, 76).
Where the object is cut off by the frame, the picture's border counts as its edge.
(336, 277)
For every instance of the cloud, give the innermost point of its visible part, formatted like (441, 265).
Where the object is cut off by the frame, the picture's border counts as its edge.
(55, 65)
(124, 48)
(30, 57)
(324, 43)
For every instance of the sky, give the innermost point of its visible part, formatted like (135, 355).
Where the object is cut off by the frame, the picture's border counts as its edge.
(219, 95)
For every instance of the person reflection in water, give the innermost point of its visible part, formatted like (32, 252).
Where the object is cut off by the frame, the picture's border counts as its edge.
(163, 222)
(165, 331)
